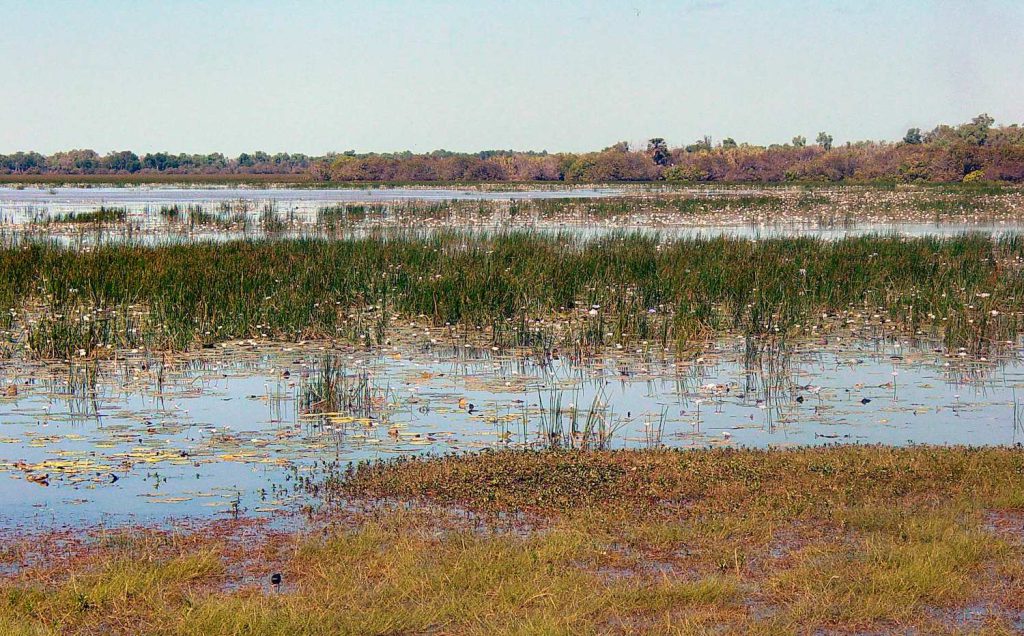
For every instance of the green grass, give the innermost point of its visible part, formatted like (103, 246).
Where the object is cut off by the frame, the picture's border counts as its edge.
(520, 289)
(98, 216)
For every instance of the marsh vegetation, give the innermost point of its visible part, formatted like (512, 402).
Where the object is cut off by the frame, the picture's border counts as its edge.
(467, 415)
(844, 540)
(512, 290)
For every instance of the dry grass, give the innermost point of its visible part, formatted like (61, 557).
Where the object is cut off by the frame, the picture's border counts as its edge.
(830, 540)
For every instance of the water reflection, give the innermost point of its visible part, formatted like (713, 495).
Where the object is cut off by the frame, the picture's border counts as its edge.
(177, 215)
(239, 429)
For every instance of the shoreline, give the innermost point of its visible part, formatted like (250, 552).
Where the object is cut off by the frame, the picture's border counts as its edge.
(779, 541)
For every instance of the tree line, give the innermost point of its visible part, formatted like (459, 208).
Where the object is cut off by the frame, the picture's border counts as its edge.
(72, 162)
(977, 150)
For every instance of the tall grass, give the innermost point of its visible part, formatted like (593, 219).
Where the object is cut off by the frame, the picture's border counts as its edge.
(522, 289)
(333, 389)
(100, 215)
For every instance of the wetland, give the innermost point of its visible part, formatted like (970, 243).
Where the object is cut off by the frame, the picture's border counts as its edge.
(666, 408)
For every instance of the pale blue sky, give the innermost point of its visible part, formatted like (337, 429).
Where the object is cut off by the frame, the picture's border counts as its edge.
(306, 76)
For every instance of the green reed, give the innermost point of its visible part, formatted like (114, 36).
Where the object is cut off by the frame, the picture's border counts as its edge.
(100, 215)
(519, 289)
(332, 388)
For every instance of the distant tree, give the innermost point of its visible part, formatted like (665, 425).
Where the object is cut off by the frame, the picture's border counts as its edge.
(320, 170)
(913, 137)
(123, 161)
(1006, 135)
(159, 161)
(691, 173)
(700, 145)
(82, 161)
(216, 160)
(26, 161)
(944, 154)
(976, 131)
(657, 149)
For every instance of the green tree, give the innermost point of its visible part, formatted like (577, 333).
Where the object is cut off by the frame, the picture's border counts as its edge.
(976, 131)
(658, 151)
(123, 160)
(824, 140)
(700, 145)
(913, 137)
(799, 141)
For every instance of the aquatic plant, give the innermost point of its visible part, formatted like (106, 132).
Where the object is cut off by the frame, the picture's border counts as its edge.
(100, 215)
(333, 389)
(516, 289)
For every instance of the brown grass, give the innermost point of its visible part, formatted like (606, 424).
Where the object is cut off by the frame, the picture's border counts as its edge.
(829, 540)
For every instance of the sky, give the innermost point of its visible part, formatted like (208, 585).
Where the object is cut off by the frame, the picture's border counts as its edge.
(386, 75)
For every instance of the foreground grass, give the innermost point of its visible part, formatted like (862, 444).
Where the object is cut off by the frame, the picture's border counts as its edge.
(521, 289)
(837, 540)
(786, 483)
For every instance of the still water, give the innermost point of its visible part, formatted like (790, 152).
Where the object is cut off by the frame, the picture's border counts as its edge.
(231, 430)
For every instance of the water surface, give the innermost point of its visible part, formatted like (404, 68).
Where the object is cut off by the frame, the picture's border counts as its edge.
(229, 431)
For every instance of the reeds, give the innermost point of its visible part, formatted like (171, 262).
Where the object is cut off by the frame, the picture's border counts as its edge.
(98, 216)
(518, 289)
(571, 427)
(334, 389)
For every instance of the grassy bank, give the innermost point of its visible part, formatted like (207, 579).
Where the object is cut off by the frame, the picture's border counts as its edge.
(836, 540)
(522, 289)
